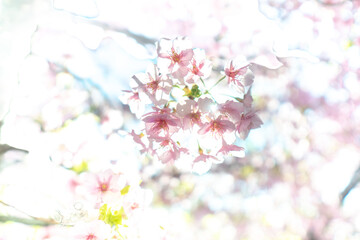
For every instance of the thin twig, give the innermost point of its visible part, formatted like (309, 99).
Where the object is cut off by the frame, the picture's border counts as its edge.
(26, 221)
(352, 184)
(4, 148)
(217, 82)
(139, 38)
(32, 221)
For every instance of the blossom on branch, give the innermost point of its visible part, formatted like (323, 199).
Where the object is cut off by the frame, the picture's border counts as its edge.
(161, 123)
(175, 55)
(152, 85)
(189, 113)
(235, 72)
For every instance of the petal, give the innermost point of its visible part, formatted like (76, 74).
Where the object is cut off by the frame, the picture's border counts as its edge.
(227, 125)
(205, 128)
(248, 78)
(186, 57)
(152, 119)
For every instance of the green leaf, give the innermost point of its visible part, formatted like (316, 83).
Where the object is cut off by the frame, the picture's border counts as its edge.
(193, 93)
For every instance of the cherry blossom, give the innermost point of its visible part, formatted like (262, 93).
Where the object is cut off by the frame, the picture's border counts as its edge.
(200, 67)
(249, 120)
(101, 186)
(235, 72)
(95, 230)
(132, 99)
(161, 123)
(190, 111)
(217, 127)
(168, 150)
(205, 158)
(285, 187)
(226, 149)
(177, 54)
(154, 85)
(232, 109)
(138, 139)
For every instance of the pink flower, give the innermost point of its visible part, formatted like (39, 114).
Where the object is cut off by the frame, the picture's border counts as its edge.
(204, 158)
(136, 199)
(199, 67)
(161, 123)
(153, 85)
(138, 139)
(226, 148)
(247, 101)
(190, 114)
(170, 150)
(214, 118)
(232, 109)
(217, 127)
(248, 121)
(102, 185)
(132, 99)
(54, 232)
(235, 72)
(95, 230)
(177, 54)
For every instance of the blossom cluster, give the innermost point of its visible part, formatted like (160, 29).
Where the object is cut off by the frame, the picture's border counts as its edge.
(193, 116)
(109, 206)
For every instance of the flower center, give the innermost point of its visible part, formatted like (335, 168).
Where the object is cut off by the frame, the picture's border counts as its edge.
(91, 237)
(104, 187)
(165, 143)
(233, 73)
(134, 206)
(195, 117)
(153, 86)
(195, 69)
(162, 124)
(217, 129)
(175, 57)
(215, 126)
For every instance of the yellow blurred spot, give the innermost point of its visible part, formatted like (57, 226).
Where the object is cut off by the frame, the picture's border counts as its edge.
(187, 91)
(64, 80)
(247, 171)
(82, 167)
(125, 190)
(349, 44)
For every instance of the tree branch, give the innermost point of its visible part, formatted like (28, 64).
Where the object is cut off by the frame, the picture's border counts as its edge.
(35, 221)
(139, 38)
(352, 184)
(26, 221)
(4, 148)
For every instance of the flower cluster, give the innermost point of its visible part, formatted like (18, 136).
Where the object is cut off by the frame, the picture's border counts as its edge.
(193, 116)
(116, 208)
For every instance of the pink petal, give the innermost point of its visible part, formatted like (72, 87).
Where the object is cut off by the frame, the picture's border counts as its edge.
(204, 129)
(186, 56)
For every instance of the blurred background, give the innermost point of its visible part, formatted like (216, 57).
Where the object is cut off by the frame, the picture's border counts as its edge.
(64, 63)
